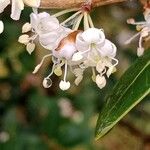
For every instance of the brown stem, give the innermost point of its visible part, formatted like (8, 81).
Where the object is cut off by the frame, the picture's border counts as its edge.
(62, 4)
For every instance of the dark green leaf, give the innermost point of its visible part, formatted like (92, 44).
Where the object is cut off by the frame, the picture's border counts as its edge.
(133, 86)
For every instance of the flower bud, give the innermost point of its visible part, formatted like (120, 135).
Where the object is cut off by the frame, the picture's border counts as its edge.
(24, 39)
(130, 21)
(47, 83)
(30, 47)
(140, 51)
(58, 71)
(100, 81)
(78, 80)
(64, 85)
(26, 27)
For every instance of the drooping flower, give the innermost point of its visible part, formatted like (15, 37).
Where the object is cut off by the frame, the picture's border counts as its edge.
(61, 56)
(46, 28)
(95, 51)
(71, 48)
(143, 29)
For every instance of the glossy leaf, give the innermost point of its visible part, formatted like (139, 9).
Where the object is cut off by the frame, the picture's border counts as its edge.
(133, 86)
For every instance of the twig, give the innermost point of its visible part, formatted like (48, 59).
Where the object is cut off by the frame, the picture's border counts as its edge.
(61, 4)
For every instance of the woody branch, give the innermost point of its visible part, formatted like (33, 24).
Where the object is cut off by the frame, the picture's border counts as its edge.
(63, 4)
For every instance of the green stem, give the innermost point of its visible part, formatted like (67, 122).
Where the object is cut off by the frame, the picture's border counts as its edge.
(90, 21)
(86, 23)
(77, 24)
(70, 18)
(65, 12)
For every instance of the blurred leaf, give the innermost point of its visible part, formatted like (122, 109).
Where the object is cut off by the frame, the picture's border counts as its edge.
(133, 86)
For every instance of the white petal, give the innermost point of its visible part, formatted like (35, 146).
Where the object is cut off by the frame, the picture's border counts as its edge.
(109, 49)
(1, 27)
(100, 81)
(100, 66)
(93, 35)
(81, 45)
(66, 51)
(43, 22)
(77, 56)
(16, 8)
(111, 70)
(3, 4)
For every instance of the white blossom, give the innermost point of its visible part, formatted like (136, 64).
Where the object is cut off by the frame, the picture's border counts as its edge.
(48, 29)
(95, 51)
(143, 29)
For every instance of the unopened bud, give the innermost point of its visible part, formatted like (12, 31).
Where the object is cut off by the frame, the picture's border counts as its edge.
(47, 83)
(26, 27)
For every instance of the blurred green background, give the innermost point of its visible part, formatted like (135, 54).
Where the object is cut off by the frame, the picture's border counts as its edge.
(33, 118)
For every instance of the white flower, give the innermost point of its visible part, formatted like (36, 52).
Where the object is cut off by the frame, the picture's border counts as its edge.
(143, 29)
(48, 29)
(64, 85)
(60, 57)
(92, 36)
(1, 27)
(96, 52)
(100, 81)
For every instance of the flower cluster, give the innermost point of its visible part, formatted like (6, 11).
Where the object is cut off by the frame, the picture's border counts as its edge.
(143, 29)
(73, 48)
(68, 46)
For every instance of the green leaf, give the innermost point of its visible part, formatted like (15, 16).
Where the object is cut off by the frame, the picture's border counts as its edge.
(133, 86)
